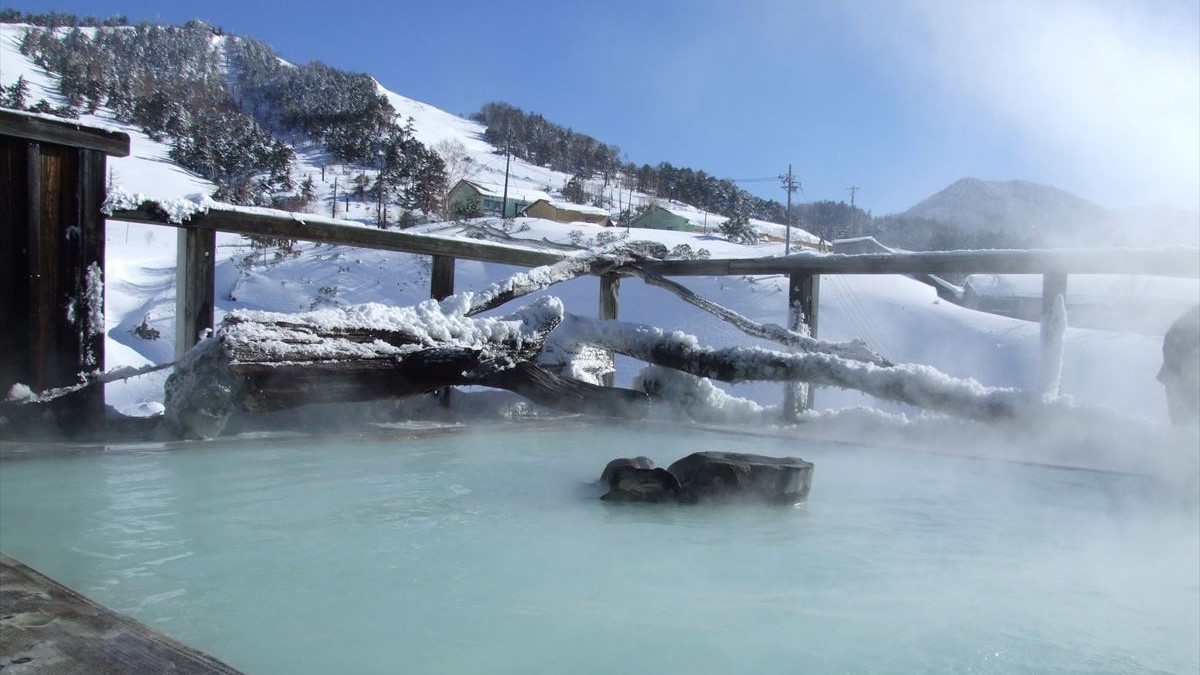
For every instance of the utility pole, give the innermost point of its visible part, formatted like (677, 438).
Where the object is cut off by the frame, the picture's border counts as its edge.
(380, 213)
(507, 157)
(333, 202)
(853, 214)
(790, 184)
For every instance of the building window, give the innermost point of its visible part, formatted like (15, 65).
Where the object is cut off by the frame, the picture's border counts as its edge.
(492, 207)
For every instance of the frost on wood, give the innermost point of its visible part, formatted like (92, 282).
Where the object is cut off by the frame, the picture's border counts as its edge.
(261, 361)
(1054, 341)
(176, 210)
(917, 385)
(799, 340)
(539, 278)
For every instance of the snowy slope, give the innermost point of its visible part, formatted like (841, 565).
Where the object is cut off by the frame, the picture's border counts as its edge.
(901, 318)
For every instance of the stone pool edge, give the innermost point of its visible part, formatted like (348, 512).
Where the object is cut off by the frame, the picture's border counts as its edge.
(46, 625)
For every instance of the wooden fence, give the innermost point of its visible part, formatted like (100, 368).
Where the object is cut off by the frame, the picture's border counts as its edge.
(52, 176)
(803, 270)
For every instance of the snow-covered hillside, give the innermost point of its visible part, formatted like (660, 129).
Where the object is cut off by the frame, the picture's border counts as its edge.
(901, 318)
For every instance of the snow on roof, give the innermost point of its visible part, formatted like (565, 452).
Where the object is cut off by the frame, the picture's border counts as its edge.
(579, 208)
(514, 191)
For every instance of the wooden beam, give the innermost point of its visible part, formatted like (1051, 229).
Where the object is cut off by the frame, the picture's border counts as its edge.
(1175, 261)
(307, 227)
(194, 291)
(63, 132)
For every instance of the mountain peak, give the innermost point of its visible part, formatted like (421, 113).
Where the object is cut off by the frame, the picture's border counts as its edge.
(1016, 206)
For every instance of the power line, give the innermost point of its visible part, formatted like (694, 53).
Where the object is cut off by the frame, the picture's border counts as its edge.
(853, 212)
(751, 180)
(853, 191)
(790, 184)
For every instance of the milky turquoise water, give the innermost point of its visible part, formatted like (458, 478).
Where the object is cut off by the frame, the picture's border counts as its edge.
(489, 553)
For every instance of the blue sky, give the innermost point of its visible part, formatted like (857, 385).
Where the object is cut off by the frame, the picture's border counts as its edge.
(901, 98)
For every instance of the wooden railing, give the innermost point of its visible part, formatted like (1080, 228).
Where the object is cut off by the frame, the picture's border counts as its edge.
(197, 258)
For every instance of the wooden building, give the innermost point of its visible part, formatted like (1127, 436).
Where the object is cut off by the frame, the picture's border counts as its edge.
(486, 199)
(566, 212)
(52, 176)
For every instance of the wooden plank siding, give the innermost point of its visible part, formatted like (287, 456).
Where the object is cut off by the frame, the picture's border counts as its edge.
(52, 255)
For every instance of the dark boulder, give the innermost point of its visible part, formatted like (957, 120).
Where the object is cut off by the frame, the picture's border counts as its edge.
(635, 462)
(714, 476)
(633, 484)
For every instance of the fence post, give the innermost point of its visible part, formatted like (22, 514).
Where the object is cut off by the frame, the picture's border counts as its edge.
(610, 306)
(441, 281)
(804, 292)
(1054, 285)
(441, 286)
(195, 277)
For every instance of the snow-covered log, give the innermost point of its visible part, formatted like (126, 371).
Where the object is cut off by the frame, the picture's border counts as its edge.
(261, 361)
(539, 278)
(856, 350)
(921, 386)
(624, 259)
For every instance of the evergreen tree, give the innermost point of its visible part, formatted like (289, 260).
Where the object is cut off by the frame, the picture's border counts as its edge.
(573, 191)
(15, 94)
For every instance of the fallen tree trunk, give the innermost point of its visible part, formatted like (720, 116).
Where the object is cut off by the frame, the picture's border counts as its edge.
(261, 361)
(921, 386)
(856, 350)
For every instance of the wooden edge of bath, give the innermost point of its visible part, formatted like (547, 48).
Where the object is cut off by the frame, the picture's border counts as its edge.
(47, 627)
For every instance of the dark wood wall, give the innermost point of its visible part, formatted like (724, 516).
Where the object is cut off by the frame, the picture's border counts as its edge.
(52, 265)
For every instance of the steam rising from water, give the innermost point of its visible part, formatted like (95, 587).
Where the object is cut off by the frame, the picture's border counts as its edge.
(491, 553)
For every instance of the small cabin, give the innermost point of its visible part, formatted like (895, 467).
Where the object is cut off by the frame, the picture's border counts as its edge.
(475, 198)
(566, 212)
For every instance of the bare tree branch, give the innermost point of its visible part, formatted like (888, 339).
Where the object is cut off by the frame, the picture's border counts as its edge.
(539, 278)
(856, 350)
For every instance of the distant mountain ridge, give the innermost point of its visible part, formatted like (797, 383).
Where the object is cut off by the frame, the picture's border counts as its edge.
(1044, 215)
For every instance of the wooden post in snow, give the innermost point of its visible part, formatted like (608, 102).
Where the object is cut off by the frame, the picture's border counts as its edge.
(195, 276)
(610, 306)
(441, 286)
(441, 282)
(1053, 286)
(803, 295)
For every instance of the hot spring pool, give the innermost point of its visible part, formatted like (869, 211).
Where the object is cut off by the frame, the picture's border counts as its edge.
(488, 553)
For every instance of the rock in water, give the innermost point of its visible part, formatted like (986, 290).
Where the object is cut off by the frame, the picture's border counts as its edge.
(712, 476)
(635, 462)
(628, 483)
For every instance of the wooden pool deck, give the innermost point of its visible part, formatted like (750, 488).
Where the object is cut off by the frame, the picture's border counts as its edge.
(46, 627)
